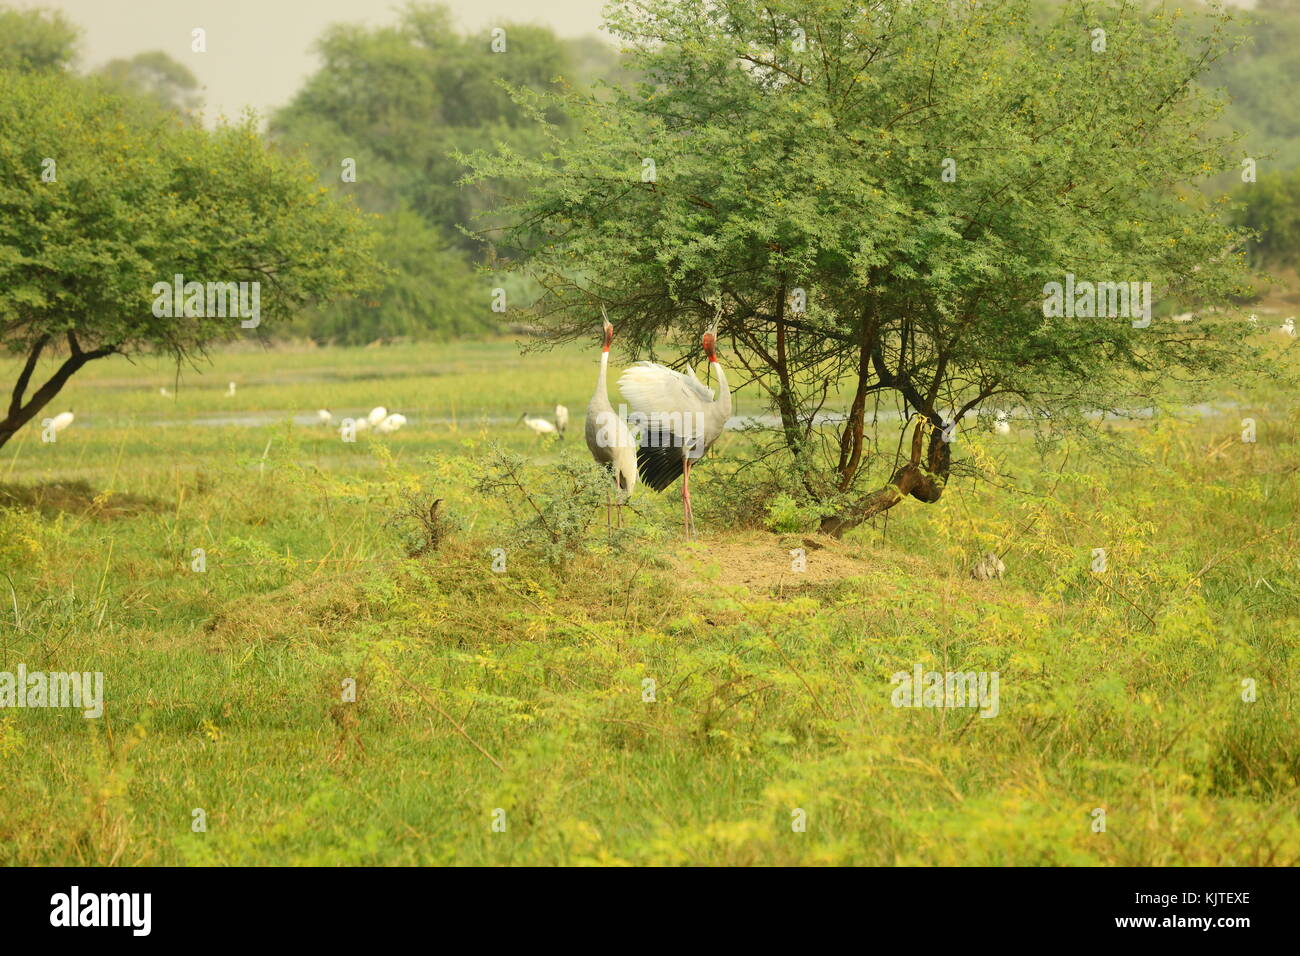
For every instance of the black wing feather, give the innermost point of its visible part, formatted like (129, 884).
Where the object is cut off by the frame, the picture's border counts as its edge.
(660, 465)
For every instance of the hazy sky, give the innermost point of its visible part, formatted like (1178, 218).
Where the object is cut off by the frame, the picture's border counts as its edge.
(259, 51)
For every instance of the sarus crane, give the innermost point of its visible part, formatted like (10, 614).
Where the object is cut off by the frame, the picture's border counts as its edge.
(680, 419)
(610, 440)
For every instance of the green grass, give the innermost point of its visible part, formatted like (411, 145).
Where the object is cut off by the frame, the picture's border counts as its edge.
(523, 691)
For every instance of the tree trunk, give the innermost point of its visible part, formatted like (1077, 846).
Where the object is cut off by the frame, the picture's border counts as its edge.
(922, 483)
(20, 414)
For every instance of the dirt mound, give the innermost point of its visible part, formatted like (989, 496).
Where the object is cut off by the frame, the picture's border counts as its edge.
(765, 563)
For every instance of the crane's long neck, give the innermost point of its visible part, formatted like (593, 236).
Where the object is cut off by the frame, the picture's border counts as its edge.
(602, 388)
(723, 404)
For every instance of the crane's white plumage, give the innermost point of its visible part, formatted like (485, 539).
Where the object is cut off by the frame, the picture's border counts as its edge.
(675, 407)
(678, 418)
(230, 389)
(1288, 327)
(61, 421)
(323, 416)
(611, 442)
(1000, 424)
(377, 414)
(561, 418)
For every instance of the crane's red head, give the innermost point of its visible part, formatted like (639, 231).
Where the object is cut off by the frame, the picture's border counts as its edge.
(710, 343)
(609, 331)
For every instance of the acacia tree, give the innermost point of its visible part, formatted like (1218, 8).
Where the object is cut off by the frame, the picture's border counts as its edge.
(100, 201)
(877, 194)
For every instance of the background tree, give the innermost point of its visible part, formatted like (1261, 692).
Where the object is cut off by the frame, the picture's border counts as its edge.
(799, 151)
(1271, 207)
(126, 204)
(36, 40)
(401, 101)
(156, 77)
(1262, 83)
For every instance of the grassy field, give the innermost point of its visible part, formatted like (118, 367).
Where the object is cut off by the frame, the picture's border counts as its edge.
(505, 717)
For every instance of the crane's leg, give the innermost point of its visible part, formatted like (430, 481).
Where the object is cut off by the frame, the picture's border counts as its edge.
(686, 498)
(608, 521)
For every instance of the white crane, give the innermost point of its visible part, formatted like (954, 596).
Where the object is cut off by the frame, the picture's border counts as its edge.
(540, 426)
(1288, 327)
(391, 424)
(230, 390)
(1000, 423)
(324, 417)
(561, 419)
(681, 420)
(61, 421)
(377, 415)
(610, 440)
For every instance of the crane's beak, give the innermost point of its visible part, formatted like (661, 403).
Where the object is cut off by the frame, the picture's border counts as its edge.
(607, 327)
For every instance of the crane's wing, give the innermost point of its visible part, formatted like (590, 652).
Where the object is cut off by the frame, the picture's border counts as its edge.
(673, 406)
(653, 389)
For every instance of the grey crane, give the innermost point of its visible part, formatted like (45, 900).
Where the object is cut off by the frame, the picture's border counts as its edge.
(611, 442)
(680, 420)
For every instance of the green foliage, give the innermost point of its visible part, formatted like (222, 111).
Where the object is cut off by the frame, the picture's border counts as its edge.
(133, 204)
(1271, 207)
(36, 40)
(1263, 84)
(423, 523)
(157, 77)
(781, 168)
(786, 516)
(426, 291)
(554, 510)
(400, 101)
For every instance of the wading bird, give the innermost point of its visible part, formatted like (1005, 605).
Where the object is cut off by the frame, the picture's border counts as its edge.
(540, 426)
(1288, 327)
(608, 436)
(230, 389)
(681, 420)
(323, 416)
(61, 421)
(561, 419)
(1000, 424)
(377, 415)
(391, 424)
